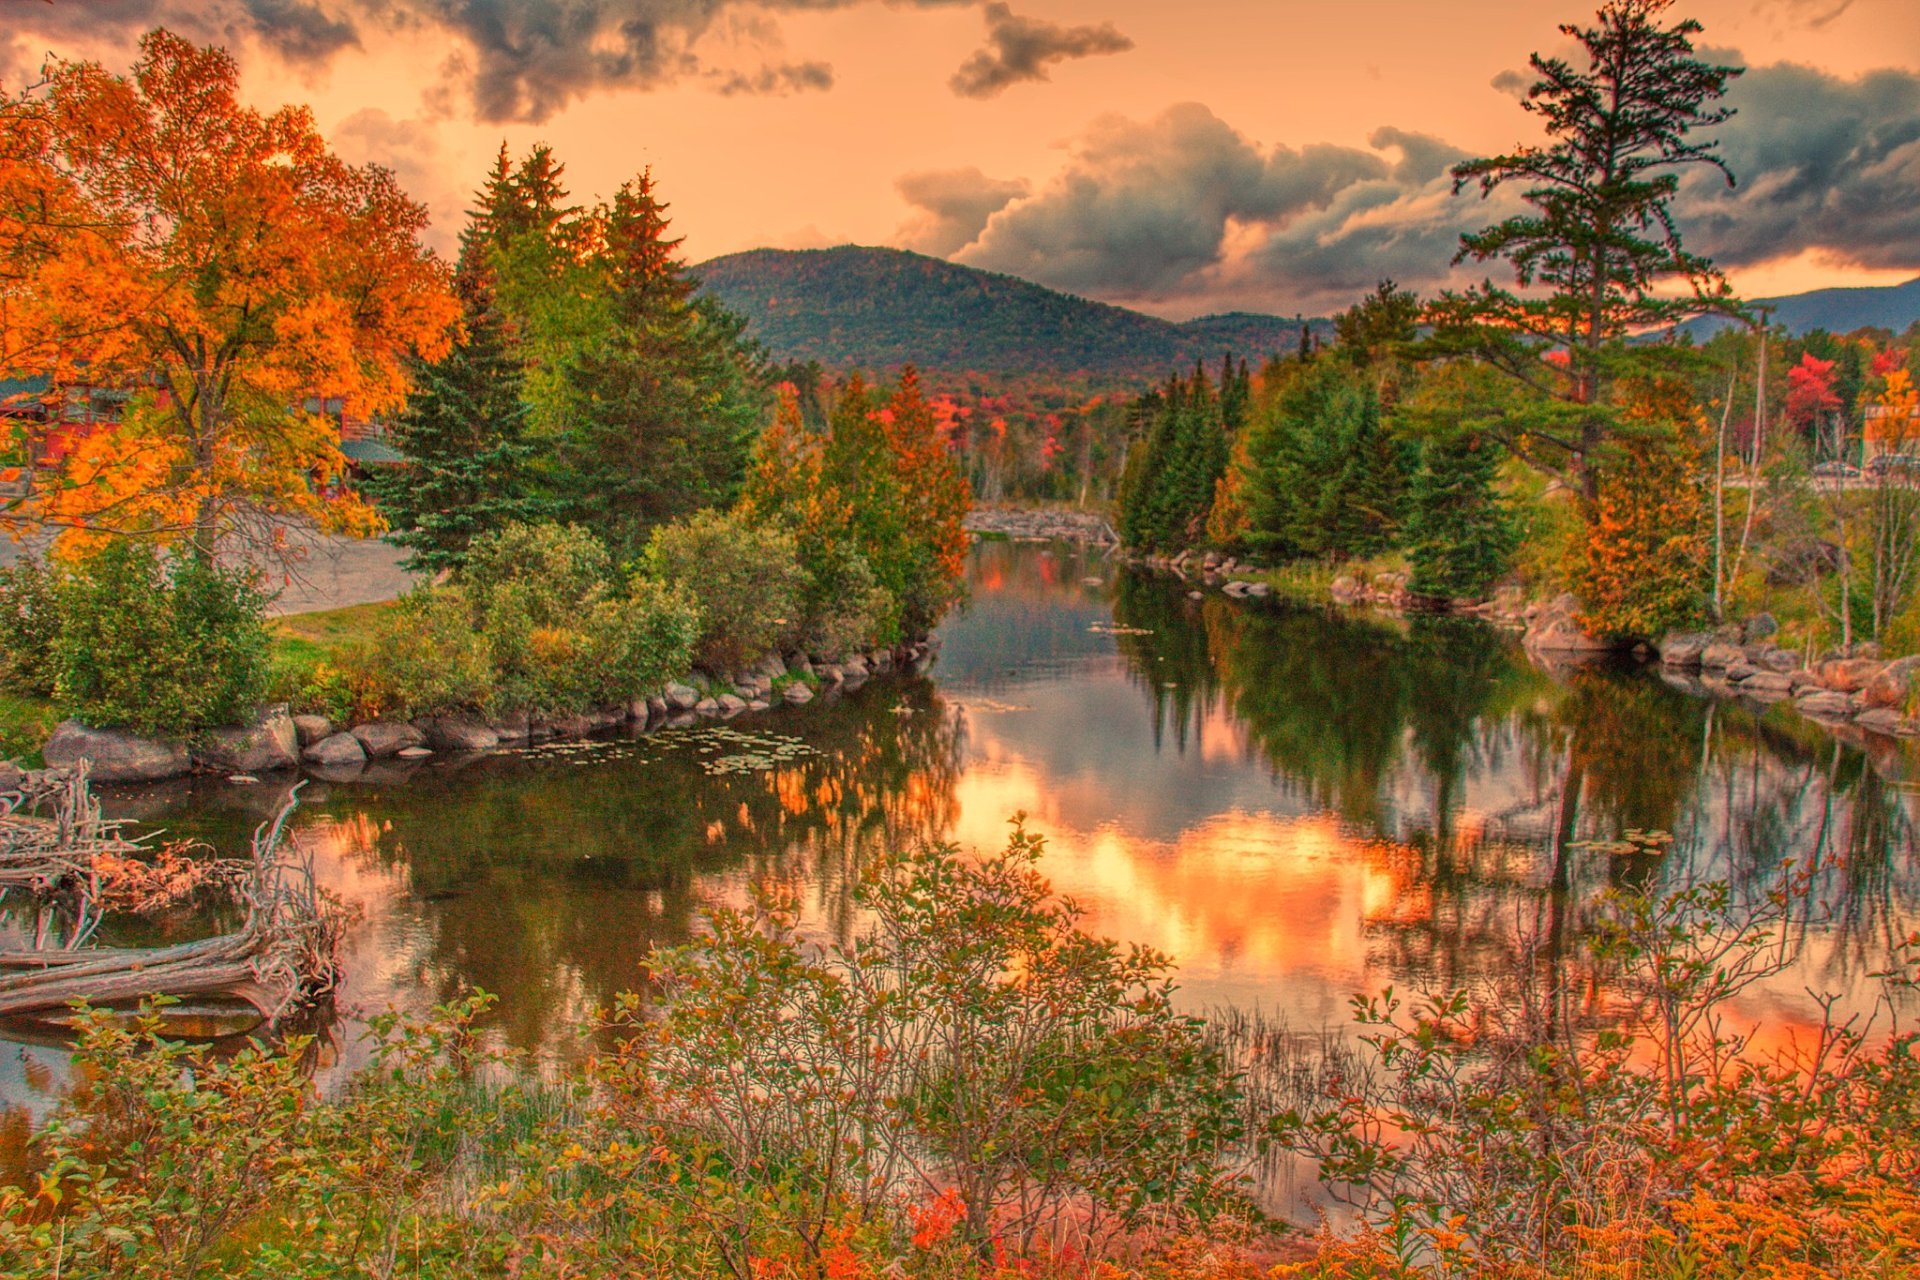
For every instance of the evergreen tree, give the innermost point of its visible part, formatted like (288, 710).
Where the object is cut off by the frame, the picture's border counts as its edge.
(1460, 536)
(1168, 488)
(1323, 476)
(661, 405)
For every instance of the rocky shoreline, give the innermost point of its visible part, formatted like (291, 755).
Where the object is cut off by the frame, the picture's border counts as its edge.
(1041, 525)
(278, 740)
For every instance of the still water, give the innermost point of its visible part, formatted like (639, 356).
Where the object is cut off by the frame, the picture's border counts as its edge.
(1293, 804)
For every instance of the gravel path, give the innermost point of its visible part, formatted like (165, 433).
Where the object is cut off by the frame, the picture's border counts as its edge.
(330, 573)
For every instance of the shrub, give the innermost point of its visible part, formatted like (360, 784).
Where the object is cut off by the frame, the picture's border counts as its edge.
(423, 657)
(542, 572)
(29, 625)
(745, 576)
(846, 607)
(158, 649)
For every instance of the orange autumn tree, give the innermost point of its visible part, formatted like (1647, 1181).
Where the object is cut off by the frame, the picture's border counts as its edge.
(237, 270)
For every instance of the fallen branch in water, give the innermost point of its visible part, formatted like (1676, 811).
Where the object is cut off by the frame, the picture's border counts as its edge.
(281, 958)
(52, 834)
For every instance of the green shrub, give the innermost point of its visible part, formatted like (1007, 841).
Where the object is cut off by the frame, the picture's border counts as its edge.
(746, 578)
(846, 607)
(29, 623)
(158, 649)
(544, 572)
(424, 657)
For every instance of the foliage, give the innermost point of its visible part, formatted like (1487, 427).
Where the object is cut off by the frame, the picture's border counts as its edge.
(1645, 568)
(1460, 538)
(1168, 488)
(1598, 237)
(1323, 475)
(876, 496)
(421, 657)
(163, 649)
(234, 267)
(745, 578)
(1518, 1132)
(975, 1041)
(29, 626)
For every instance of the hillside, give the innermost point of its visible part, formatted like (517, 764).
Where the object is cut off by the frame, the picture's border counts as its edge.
(856, 307)
(1835, 310)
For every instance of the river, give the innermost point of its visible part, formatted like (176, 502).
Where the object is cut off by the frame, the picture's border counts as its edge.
(1295, 805)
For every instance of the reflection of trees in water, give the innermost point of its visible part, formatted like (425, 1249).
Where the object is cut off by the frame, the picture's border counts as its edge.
(1486, 778)
(548, 879)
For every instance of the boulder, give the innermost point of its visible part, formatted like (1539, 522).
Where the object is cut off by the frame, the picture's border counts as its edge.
(657, 708)
(568, 726)
(829, 673)
(1741, 671)
(513, 726)
(1236, 588)
(1884, 720)
(1825, 705)
(412, 753)
(1682, 649)
(270, 742)
(1259, 590)
(1785, 661)
(1892, 685)
(1344, 590)
(1556, 629)
(759, 704)
(731, 704)
(1849, 675)
(383, 738)
(1759, 627)
(707, 707)
(610, 716)
(797, 693)
(854, 667)
(459, 733)
(312, 728)
(881, 660)
(1720, 655)
(799, 664)
(336, 751)
(681, 697)
(770, 666)
(115, 756)
(1767, 683)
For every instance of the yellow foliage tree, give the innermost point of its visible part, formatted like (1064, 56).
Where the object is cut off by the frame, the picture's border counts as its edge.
(225, 268)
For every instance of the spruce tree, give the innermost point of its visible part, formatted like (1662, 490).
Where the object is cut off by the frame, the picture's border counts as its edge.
(1460, 536)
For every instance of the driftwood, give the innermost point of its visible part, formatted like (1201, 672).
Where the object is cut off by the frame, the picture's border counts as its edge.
(52, 833)
(281, 958)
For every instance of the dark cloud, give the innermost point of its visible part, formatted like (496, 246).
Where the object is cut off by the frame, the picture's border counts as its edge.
(954, 207)
(1823, 163)
(514, 60)
(1023, 48)
(1184, 206)
(792, 77)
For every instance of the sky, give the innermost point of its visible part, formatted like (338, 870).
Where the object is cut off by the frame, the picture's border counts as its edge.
(1178, 156)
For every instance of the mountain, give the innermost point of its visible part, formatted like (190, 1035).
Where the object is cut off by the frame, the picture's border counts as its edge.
(877, 309)
(1835, 310)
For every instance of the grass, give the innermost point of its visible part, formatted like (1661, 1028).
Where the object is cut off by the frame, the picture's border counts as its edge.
(325, 634)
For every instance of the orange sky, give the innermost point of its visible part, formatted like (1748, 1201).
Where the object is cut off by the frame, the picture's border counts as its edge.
(820, 166)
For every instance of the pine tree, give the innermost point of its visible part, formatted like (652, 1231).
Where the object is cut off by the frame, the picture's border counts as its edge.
(660, 407)
(1460, 536)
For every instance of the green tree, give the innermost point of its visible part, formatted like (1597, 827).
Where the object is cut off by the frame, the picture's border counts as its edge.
(1598, 239)
(660, 407)
(1323, 475)
(1460, 535)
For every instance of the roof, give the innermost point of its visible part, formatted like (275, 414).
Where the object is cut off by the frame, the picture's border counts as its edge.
(373, 453)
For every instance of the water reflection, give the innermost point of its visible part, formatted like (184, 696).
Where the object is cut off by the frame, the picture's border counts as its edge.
(1296, 805)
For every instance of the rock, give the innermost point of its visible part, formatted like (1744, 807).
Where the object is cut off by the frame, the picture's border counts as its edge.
(611, 716)
(1344, 590)
(1259, 590)
(1883, 720)
(1237, 588)
(1767, 682)
(116, 757)
(799, 664)
(856, 666)
(1759, 627)
(1785, 661)
(638, 711)
(770, 666)
(730, 705)
(681, 697)
(829, 673)
(12, 776)
(1892, 685)
(311, 729)
(1720, 655)
(270, 742)
(1804, 679)
(568, 726)
(759, 704)
(707, 707)
(1681, 650)
(1825, 705)
(515, 726)
(797, 693)
(412, 753)
(336, 751)
(1740, 671)
(657, 707)
(1196, 595)
(1556, 629)
(459, 733)
(243, 780)
(384, 738)
(1849, 675)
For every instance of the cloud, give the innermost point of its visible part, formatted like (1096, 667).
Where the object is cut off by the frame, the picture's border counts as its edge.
(1184, 207)
(1823, 163)
(1023, 48)
(409, 148)
(954, 207)
(512, 60)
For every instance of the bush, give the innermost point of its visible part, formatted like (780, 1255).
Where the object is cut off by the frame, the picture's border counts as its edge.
(846, 607)
(541, 572)
(746, 578)
(423, 657)
(163, 650)
(29, 624)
